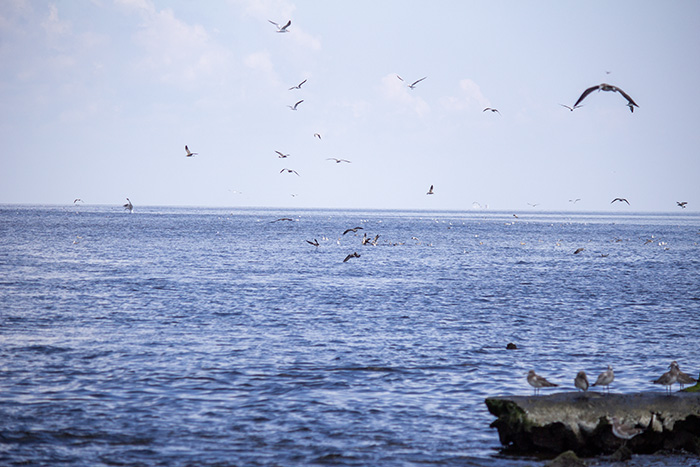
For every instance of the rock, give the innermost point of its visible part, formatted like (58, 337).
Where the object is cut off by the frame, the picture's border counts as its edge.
(582, 422)
(566, 459)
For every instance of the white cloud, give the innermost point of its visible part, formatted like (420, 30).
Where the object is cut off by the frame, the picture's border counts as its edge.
(469, 97)
(396, 90)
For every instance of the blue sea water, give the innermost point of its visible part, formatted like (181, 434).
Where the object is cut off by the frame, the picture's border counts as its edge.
(179, 337)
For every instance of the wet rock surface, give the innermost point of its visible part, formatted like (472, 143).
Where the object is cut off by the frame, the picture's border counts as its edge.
(583, 423)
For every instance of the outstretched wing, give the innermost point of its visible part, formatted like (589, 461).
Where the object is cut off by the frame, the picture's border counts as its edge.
(418, 81)
(626, 96)
(283, 28)
(585, 93)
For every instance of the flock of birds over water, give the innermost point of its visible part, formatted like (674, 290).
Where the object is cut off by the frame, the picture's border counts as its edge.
(286, 28)
(672, 376)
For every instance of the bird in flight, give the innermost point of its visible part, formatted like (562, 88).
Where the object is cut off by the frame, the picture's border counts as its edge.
(413, 84)
(681, 203)
(294, 107)
(492, 110)
(189, 153)
(337, 161)
(281, 155)
(298, 86)
(430, 191)
(571, 108)
(317, 135)
(289, 219)
(607, 87)
(579, 250)
(78, 199)
(314, 243)
(282, 28)
(620, 199)
(128, 206)
(353, 230)
(290, 171)
(575, 200)
(352, 255)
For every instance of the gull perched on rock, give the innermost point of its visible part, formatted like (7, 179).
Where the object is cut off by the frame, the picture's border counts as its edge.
(607, 87)
(537, 381)
(581, 381)
(605, 378)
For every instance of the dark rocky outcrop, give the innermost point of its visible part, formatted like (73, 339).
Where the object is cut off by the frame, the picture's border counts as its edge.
(583, 422)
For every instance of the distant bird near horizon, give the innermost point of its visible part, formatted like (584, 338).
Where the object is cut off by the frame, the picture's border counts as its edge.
(317, 135)
(581, 381)
(575, 200)
(534, 205)
(607, 87)
(294, 107)
(620, 199)
(413, 84)
(492, 110)
(282, 219)
(579, 250)
(430, 191)
(290, 171)
(337, 161)
(298, 86)
(282, 28)
(281, 155)
(605, 378)
(314, 243)
(189, 153)
(537, 381)
(681, 203)
(76, 200)
(351, 255)
(128, 206)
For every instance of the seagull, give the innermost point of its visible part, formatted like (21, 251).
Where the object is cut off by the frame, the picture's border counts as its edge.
(605, 378)
(352, 230)
(282, 219)
(683, 378)
(581, 381)
(281, 155)
(317, 135)
(128, 206)
(571, 108)
(352, 255)
(314, 243)
(282, 28)
(575, 200)
(534, 205)
(298, 86)
(413, 84)
(294, 107)
(190, 154)
(669, 378)
(625, 432)
(290, 171)
(430, 191)
(579, 250)
(337, 161)
(681, 203)
(78, 199)
(537, 381)
(620, 199)
(492, 110)
(607, 87)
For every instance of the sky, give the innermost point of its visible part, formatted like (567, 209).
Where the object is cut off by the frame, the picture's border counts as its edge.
(101, 96)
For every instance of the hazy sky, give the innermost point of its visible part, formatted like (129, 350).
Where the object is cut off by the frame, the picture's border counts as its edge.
(100, 98)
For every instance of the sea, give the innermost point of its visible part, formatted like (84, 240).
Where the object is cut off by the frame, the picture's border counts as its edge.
(176, 336)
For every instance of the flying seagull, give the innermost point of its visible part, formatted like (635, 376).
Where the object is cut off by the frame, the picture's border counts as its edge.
(189, 153)
(619, 199)
(298, 86)
(314, 243)
(128, 206)
(317, 135)
(571, 108)
(413, 84)
(681, 203)
(337, 161)
(607, 87)
(282, 28)
(78, 199)
(352, 255)
(294, 107)
(290, 171)
(492, 110)
(430, 191)
(281, 155)
(352, 230)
